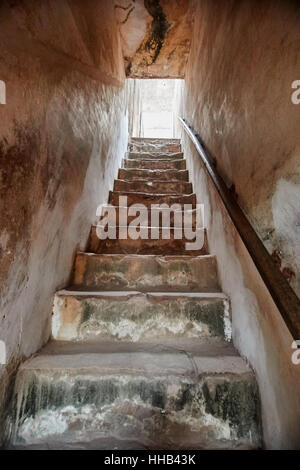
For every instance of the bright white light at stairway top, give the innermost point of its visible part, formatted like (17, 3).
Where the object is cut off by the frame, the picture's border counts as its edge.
(160, 102)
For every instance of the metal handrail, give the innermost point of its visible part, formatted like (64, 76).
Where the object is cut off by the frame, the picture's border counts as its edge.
(283, 295)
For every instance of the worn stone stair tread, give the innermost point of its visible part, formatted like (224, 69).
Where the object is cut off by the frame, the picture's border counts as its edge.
(150, 145)
(152, 160)
(151, 360)
(146, 180)
(155, 139)
(124, 293)
(103, 443)
(155, 165)
(159, 142)
(154, 150)
(154, 156)
(165, 149)
(206, 347)
(149, 227)
(139, 316)
(133, 174)
(99, 293)
(167, 145)
(145, 272)
(163, 246)
(157, 209)
(149, 198)
(169, 187)
(126, 444)
(143, 195)
(163, 258)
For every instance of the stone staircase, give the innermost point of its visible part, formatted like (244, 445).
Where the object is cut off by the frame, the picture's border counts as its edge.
(141, 356)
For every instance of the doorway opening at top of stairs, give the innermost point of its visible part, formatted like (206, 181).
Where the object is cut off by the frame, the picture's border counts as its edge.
(153, 107)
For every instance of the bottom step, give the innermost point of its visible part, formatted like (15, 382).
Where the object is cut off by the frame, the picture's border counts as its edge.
(183, 395)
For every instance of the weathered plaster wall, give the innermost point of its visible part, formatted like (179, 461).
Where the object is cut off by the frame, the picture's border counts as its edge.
(244, 57)
(155, 36)
(63, 133)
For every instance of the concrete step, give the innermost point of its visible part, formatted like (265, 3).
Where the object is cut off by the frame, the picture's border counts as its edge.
(116, 215)
(136, 316)
(155, 145)
(160, 187)
(145, 273)
(173, 396)
(148, 199)
(159, 140)
(167, 241)
(154, 175)
(154, 156)
(154, 164)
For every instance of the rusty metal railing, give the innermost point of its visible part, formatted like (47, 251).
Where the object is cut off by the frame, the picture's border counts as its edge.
(283, 295)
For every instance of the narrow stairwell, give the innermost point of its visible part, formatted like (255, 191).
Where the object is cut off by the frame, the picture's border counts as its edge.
(141, 356)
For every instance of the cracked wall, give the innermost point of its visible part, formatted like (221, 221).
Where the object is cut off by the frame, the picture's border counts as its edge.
(63, 134)
(155, 37)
